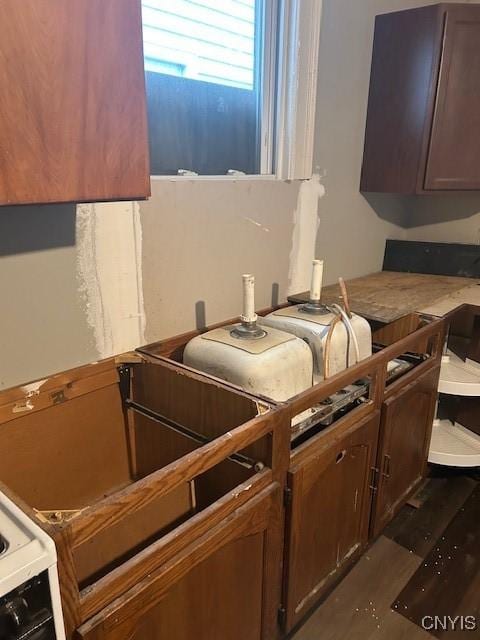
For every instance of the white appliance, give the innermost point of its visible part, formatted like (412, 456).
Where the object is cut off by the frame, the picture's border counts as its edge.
(263, 361)
(30, 606)
(337, 338)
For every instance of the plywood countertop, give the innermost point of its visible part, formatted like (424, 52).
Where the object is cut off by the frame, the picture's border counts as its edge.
(388, 295)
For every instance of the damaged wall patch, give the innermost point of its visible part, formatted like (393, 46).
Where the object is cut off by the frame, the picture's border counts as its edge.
(305, 228)
(109, 256)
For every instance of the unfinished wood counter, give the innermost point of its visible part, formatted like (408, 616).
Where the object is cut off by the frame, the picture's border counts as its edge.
(389, 295)
(162, 490)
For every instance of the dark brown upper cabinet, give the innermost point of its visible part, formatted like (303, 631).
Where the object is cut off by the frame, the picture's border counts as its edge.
(423, 121)
(73, 121)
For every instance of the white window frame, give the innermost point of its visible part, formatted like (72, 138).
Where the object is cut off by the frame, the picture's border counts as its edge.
(297, 88)
(289, 93)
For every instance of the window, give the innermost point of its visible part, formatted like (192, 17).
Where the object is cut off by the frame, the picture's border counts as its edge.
(213, 73)
(212, 41)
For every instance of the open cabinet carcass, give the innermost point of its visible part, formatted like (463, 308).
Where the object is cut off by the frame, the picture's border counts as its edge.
(162, 490)
(456, 430)
(345, 431)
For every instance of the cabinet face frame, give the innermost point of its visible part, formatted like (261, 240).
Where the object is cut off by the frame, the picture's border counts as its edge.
(260, 515)
(428, 338)
(78, 604)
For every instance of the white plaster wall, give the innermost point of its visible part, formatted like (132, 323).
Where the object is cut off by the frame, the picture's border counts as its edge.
(445, 218)
(200, 236)
(109, 254)
(42, 315)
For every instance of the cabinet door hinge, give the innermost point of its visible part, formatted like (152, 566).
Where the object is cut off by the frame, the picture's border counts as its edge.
(282, 617)
(124, 382)
(373, 479)
(287, 497)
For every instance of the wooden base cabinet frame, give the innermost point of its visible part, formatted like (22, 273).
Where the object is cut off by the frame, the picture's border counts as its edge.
(328, 496)
(407, 414)
(335, 490)
(216, 587)
(334, 477)
(214, 573)
(405, 431)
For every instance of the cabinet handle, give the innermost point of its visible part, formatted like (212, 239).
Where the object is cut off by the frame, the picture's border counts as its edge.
(373, 479)
(386, 466)
(340, 456)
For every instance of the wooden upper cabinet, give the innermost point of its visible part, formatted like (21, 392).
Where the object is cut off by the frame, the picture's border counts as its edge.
(454, 153)
(73, 121)
(423, 121)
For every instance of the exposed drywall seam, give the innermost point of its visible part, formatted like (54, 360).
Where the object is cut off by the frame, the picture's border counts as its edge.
(109, 259)
(305, 227)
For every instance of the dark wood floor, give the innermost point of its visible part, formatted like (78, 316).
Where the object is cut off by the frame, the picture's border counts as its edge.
(426, 563)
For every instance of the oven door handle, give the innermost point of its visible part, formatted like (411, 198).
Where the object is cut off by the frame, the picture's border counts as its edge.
(36, 628)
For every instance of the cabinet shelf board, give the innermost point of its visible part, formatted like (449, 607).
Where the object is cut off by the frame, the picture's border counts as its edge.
(458, 377)
(453, 445)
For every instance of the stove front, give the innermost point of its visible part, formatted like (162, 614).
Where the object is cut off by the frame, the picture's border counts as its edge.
(30, 605)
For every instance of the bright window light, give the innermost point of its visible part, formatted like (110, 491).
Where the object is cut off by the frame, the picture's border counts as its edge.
(208, 40)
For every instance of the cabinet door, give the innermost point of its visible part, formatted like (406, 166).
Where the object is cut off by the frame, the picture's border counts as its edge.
(400, 101)
(405, 431)
(224, 585)
(72, 105)
(328, 515)
(454, 154)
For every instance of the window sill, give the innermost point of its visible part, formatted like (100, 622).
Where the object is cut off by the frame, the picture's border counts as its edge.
(220, 178)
